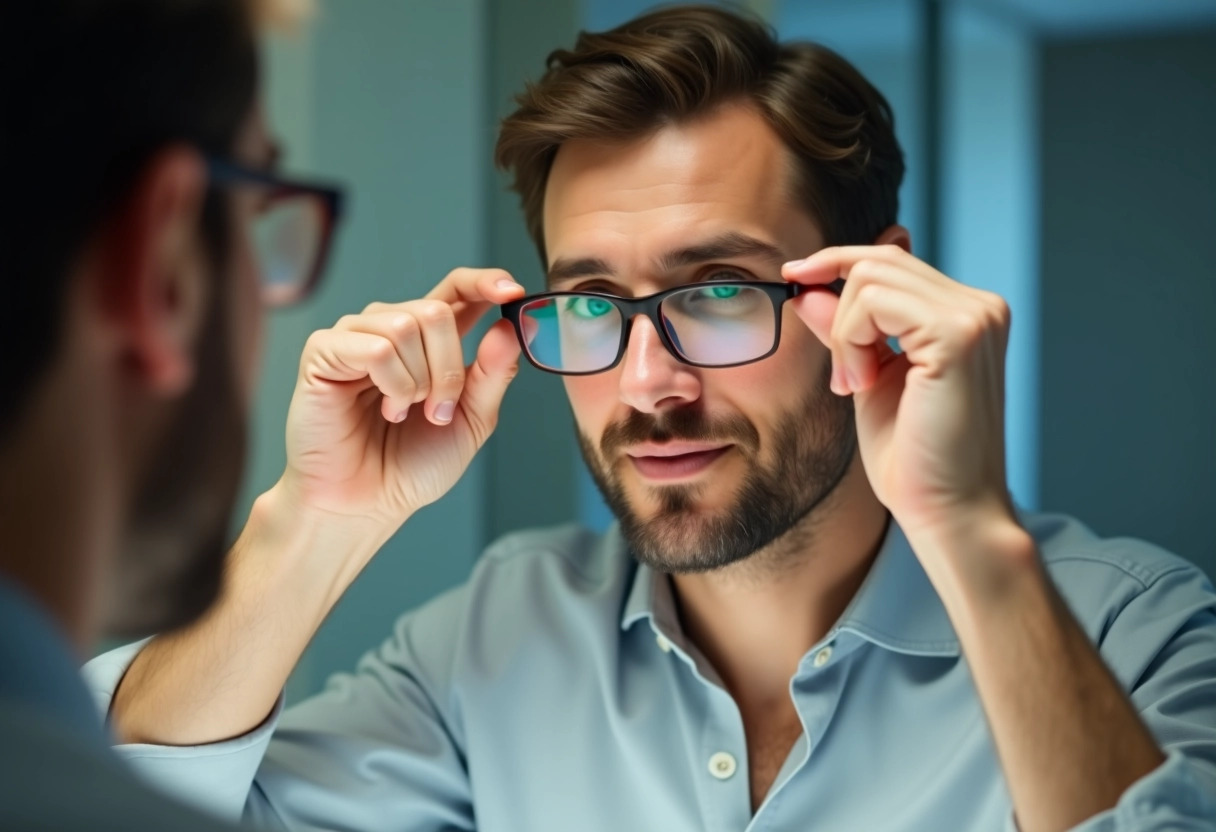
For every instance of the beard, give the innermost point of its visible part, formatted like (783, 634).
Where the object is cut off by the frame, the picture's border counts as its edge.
(808, 454)
(170, 569)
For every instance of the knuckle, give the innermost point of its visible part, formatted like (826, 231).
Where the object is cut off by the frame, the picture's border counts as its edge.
(1000, 311)
(374, 307)
(433, 311)
(863, 272)
(382, 351)
(405, 326)
(870, 293)
(969, 329)
(346, 322)
(450, 379)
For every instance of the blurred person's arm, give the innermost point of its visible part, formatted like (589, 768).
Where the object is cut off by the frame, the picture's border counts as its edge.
(384, 420)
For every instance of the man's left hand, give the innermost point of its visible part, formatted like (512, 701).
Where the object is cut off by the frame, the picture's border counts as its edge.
(930, 418)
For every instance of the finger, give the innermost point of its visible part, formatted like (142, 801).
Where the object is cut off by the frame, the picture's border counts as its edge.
(341, 356)
(488, 377)
(856, 339)
(471, 292)
(834, 262)
(444, 358)
(881, 311)
(858, 346)
(817, 310)
(400, 325)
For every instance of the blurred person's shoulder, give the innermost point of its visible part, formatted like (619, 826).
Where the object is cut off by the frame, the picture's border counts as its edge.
(51, 779)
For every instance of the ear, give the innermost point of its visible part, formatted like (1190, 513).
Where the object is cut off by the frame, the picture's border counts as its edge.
(153, 280)
(895, 235)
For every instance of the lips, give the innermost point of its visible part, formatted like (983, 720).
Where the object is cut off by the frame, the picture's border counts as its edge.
(675, 461)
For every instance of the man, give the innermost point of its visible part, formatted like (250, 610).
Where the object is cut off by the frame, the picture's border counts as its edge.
(819, 609)
(135, 166)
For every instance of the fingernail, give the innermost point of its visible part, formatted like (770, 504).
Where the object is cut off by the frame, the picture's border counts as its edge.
(794, 264)
(834, 384)
(445, 411)
(507, 285)
(400, 417)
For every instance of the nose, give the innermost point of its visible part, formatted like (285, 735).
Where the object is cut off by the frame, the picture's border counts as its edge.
(652, 380)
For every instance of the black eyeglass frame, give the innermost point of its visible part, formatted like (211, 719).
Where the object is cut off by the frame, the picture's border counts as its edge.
(332, 198)
(778, 292)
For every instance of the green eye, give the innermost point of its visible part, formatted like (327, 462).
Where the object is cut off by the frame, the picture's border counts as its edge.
(724, 292)
(588, 307)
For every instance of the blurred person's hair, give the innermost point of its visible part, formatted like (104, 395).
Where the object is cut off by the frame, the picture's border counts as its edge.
(90, 90)
(676, 64)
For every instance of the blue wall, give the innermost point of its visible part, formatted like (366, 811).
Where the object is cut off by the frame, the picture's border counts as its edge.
(1129, 286)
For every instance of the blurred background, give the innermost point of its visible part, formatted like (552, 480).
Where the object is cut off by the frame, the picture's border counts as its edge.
(1062, 154)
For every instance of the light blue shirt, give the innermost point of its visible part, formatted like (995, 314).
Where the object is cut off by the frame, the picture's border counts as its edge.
(555, 691)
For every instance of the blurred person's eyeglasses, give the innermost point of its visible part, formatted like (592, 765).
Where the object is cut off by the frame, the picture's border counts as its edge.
(292, 233)
(708, 324)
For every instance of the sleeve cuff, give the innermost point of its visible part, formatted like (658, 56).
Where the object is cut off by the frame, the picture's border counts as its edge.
(215, 778)
(1171, 797)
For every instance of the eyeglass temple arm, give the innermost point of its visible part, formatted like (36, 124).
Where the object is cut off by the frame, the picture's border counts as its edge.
(835, 287)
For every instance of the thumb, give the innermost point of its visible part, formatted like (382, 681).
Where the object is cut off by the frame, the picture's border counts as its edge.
(491, 372)
(817, 310)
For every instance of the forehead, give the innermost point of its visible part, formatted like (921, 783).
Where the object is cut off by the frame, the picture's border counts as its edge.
(621, 201)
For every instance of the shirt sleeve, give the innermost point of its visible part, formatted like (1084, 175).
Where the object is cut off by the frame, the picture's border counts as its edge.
(378, 743)
(1171, 798)
(215, 778)
(1161, 646)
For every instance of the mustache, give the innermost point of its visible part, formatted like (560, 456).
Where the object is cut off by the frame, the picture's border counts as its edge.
(690, 424)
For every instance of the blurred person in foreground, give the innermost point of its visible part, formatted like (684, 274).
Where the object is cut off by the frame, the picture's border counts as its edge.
(141, 229)
(819, 608)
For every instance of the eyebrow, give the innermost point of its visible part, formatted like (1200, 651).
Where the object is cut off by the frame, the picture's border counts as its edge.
(726, 246)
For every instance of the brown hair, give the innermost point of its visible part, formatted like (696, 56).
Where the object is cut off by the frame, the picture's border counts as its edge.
(674, 64)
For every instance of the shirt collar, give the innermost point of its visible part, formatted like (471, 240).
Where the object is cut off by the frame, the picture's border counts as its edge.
(38, 669)
(896, 607)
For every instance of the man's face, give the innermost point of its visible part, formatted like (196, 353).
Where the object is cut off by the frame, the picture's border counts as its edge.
(703, 467)
(172, 563)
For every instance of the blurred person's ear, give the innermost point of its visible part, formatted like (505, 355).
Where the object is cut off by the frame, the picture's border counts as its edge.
(153, 275)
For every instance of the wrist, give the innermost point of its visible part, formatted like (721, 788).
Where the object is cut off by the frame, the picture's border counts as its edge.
(310, 550)
(979, 560)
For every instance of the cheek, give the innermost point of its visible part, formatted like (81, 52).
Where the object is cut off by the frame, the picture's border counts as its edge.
(766, 389)
(593, 400)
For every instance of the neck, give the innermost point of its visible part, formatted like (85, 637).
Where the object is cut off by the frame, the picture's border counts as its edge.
(755, 620)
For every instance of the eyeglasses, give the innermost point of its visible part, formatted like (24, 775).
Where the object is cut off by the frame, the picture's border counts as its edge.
(708, 324)
(292, 234)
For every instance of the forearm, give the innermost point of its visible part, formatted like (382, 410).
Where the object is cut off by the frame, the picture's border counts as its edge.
(1069, 740)
(221, 676)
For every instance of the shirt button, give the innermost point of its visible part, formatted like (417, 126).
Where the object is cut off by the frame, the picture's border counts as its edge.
(823, 656)
(722, 765)
(663, 643)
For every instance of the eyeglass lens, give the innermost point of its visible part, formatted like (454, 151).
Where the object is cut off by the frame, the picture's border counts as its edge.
(287, 238)
(715, 325)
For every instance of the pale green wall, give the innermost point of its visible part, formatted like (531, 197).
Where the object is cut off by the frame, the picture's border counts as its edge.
(389, 98)
(400, 101)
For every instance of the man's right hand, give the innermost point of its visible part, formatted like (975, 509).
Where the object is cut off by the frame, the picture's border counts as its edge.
(367, 445)
(386, 417)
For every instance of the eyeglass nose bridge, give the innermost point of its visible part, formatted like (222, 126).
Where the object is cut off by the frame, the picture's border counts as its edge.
(648, 308)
